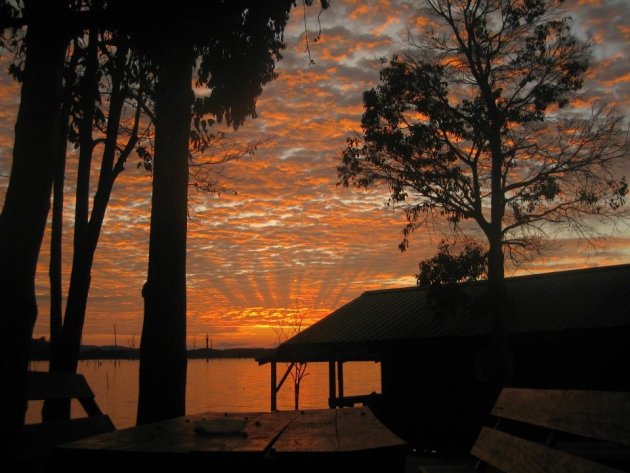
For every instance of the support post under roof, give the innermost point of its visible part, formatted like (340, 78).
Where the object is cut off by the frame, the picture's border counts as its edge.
(340, 379)
(274, 391)
(332, 388)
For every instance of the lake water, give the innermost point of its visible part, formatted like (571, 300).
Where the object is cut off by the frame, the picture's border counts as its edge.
(221, 385)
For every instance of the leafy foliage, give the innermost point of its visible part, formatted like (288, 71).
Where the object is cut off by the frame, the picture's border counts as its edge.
(445, 268)
(236, 46)
(443, 272)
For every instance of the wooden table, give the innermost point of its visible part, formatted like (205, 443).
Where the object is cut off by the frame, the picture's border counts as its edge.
(309, 440)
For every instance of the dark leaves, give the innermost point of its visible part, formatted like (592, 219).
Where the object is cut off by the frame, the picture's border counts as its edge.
(409, 132)
(444, 271)
(445, 268)
(237, 57)
(146, 159)
(619, 192)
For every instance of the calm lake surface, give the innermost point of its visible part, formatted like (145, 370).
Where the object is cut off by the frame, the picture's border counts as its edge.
(223, 385)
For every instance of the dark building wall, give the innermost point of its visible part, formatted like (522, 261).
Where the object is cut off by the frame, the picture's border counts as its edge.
(432, 399)
(437, 398)
(592, 359)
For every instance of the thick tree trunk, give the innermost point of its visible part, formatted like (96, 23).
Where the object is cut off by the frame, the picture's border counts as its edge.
(25, 211)
(496, 294)
(496, 262)
(163, 346)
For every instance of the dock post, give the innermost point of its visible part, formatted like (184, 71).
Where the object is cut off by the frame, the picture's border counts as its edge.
(332, 389)
(340, 379)
(274, 392)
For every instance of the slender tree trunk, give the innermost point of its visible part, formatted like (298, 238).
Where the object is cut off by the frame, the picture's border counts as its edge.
(54, 270)
(56, 253)
(25, 211)
(66, 357)
(55, 267)
(163, 346)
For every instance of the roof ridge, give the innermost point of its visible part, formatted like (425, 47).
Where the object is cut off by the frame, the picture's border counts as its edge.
(549, 274)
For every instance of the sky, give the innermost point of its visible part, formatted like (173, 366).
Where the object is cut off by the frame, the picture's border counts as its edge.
(285, 241)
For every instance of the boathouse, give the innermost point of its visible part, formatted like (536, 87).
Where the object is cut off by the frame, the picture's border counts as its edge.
(568, 329)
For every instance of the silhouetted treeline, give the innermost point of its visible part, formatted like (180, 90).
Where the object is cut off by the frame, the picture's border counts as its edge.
(40, 351)
(230, 353)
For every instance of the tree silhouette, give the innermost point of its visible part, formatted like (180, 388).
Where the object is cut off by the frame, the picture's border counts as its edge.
(26, 204)
(242, 36)
(475, 127)
(235, 45)
(56, 234)
(109, 75)
(113, 89)
(37, 146)
(286, 329)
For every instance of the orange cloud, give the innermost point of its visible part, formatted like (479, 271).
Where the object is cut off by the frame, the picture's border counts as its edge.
(286, 238)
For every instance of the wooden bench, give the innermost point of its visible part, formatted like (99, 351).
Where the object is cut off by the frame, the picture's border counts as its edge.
(40, 439)
(543, 431)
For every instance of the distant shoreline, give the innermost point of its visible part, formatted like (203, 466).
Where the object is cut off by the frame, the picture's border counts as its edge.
(40, 351)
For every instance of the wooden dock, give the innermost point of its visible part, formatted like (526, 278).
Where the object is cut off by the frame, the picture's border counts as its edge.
(309, 440)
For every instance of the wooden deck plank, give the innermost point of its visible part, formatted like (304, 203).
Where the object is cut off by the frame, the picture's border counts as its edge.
(516, 455)
(264, 431)
(138, 437)
(359, 429)
(123, 440)
(594, 414)
(310, 432)
(286, 434)
(179, 436)
(261, 431)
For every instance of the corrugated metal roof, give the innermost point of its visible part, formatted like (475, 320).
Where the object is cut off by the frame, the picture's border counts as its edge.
(542, 303)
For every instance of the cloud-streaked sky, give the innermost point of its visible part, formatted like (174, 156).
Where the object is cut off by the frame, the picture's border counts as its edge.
(289, 240)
